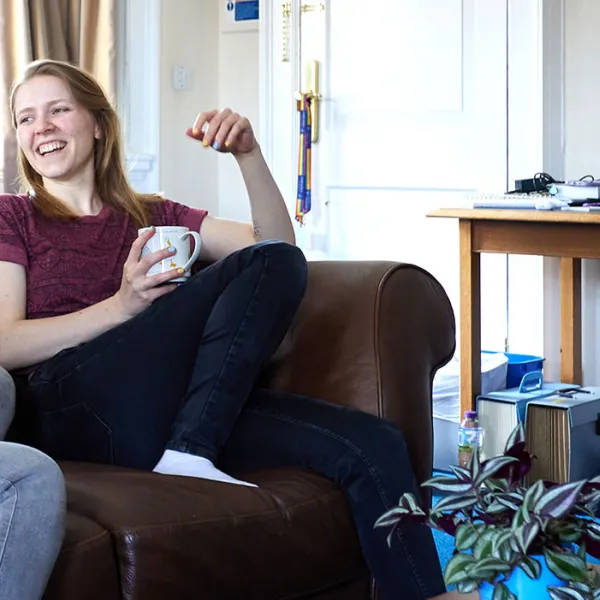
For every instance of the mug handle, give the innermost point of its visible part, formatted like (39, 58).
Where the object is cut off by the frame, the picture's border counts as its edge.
(196, 251)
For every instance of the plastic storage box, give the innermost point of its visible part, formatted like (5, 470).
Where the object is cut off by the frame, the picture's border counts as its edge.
(501, 411)
(518, 366)
(496, 376)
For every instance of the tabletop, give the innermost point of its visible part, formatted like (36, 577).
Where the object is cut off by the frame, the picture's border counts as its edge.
(507, 214)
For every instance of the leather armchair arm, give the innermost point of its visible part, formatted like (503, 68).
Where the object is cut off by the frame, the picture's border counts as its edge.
(371, 335)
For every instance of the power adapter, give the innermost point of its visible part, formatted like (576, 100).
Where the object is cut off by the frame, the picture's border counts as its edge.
(526, 186)
(540, 182)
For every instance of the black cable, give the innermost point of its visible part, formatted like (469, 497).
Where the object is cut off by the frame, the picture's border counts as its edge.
(542, 182)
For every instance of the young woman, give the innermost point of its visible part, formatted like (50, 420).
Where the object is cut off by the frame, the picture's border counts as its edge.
(130, 369)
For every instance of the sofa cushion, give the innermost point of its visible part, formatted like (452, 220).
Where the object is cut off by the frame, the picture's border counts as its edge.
(86, 563)
(181, 537)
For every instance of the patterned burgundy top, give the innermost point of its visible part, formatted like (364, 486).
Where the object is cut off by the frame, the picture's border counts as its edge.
(71, 266)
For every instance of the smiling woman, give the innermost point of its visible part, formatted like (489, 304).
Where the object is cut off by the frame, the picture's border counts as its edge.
(54, 133)
(68, 131)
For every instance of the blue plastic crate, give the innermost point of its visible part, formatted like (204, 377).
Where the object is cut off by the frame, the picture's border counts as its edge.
(519, 365)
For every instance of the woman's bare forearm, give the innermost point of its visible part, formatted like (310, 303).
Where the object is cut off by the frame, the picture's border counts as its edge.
(29, 342)
(270, 217)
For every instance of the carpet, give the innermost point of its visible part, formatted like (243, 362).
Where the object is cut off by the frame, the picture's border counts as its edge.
(444, 544)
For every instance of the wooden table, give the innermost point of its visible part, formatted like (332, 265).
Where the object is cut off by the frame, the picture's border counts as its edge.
(569, 236)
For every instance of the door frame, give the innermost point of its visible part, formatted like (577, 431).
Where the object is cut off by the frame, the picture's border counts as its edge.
(535, 128)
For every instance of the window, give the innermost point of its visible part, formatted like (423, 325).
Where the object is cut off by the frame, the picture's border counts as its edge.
(138, 89)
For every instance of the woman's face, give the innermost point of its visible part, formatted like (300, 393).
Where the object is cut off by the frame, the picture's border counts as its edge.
(54, 132)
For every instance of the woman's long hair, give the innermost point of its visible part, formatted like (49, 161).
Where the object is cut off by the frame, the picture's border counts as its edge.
(111, 180)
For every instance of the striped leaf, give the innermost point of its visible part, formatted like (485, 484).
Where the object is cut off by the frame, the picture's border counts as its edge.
(488, 568)
(517, 436)
(466, 536)
(456, 569)
(410, 502)
(567, 531)
(392, 516)
(566, 566)
(475, 463)
(507, 503)
(564, 593)
(501, 539)
(559, 500)
(531, 567)
(466, 587)
(454, 504)
(526, 534)
(483, 547)
(461, 473)
(593, 530)
(501, 592)
(533, 495)
(490, 467)
(495, 508)
(448, 484)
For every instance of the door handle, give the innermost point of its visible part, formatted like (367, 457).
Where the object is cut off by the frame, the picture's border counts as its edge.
(313, 93)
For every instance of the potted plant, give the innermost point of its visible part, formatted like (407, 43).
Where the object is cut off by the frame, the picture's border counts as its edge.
(512, 541)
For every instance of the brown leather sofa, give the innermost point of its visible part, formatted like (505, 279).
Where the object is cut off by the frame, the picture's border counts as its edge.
(369, 335)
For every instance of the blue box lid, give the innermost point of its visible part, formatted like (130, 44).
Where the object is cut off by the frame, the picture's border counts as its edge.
(532, 387)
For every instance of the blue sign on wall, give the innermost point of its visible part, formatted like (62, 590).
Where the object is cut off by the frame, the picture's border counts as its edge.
(246, 10)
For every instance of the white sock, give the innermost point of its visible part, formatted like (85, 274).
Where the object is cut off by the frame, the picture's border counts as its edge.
(190, 465)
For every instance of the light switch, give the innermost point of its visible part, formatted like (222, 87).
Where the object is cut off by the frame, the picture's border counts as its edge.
(182, 78)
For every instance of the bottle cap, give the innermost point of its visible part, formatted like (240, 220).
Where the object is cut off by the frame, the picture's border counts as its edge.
(470, 414)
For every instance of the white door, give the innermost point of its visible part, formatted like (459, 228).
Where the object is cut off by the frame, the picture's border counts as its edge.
(413, 115)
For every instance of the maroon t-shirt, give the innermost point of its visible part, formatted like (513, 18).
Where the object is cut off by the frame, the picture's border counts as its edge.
(71, 266)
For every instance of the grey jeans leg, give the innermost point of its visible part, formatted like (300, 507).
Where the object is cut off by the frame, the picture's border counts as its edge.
(7, 402)
(32, 512)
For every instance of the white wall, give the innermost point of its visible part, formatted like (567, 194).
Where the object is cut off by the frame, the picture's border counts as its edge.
(224, 74)
(189, 37)
(582, 156)
(238, 90)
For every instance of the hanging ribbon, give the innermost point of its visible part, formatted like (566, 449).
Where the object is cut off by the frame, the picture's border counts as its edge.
(303, 200)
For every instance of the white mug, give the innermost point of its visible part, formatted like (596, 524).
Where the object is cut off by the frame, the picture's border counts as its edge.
(179, 238)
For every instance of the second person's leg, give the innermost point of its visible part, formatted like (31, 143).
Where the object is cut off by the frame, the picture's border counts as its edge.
(32, 513)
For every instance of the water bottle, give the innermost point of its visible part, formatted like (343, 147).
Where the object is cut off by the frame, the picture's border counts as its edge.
(470, 435)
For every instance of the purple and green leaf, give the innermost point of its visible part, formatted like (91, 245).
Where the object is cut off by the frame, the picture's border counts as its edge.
(566, 566)
(559, 500)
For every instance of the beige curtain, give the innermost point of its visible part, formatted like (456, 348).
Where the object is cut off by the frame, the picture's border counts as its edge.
(82, 32)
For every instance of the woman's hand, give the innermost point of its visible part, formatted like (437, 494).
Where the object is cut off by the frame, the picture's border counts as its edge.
(138, 291)
(225, 131)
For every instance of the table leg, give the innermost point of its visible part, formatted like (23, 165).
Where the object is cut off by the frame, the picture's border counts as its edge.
(470, 318)
(570, 320)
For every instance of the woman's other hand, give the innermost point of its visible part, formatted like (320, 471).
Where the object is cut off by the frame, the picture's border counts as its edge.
(225, 131)
(138, 290)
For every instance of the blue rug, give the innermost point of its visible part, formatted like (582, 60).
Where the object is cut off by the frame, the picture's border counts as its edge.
(444, 544)
(445, 547)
